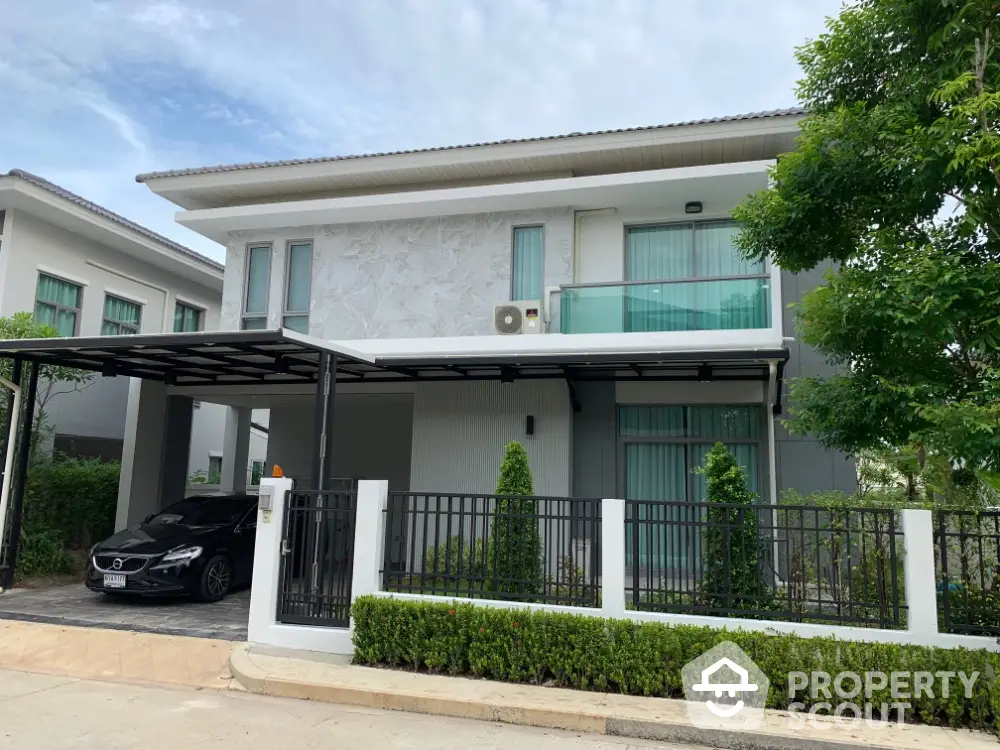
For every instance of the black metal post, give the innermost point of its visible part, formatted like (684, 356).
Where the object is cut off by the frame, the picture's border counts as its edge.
(328, 431)
(20, 479)
(320, 410)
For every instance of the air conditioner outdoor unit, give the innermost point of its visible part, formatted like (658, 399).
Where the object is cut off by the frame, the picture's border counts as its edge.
(524, 316)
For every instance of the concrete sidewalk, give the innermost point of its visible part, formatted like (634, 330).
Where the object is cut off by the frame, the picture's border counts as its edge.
(320, 679)
(114, 655)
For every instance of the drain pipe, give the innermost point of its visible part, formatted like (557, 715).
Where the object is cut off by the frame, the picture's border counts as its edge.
(772, 392)
(8, 467)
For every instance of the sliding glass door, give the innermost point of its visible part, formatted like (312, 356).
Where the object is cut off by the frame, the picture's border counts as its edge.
(661, 446)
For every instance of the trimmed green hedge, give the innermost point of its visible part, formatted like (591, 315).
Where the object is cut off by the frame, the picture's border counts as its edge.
(591, 653)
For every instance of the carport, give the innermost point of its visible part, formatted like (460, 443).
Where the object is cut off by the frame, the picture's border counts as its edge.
(268, 368)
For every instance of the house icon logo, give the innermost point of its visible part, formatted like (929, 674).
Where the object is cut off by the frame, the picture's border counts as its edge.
(725, 689)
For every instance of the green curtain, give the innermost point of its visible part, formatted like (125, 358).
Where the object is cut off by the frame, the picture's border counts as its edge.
(254, 324)
(528, 272)
(651, 421)
(57, 291)
(654, 253)
(62, 320)
(657, 472)
(299, 278)
(186, 318)
(716, 253)
(258, 273)
(121, 317)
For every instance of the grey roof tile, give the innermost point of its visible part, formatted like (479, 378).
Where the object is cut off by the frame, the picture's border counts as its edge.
(319, 160)
(62, 192)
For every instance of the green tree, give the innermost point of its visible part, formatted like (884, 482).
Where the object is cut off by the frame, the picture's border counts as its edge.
(732, 577)
(52, 380)
(515, 549)
(896, 179)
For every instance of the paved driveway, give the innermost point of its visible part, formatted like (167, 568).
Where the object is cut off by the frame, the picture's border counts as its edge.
(75, 605)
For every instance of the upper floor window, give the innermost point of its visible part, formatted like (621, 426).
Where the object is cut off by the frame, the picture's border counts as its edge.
(121, 317)
(57, 304)
(686, 251)
(528, 263)
(187, 318)
(298, 282)
(257, 280)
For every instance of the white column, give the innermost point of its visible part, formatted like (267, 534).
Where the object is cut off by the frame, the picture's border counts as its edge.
(236, 449)
(919, 575)
(613, 558)
(369, 536)
(267, 561)
(142, 454)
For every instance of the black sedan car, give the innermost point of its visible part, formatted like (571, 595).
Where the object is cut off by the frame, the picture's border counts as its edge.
(201, 546)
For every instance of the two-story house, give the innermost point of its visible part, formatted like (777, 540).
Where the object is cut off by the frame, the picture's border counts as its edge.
(556, 248)
(87, 271)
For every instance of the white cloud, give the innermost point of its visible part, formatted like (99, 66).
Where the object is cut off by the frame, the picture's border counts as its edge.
(257, 79)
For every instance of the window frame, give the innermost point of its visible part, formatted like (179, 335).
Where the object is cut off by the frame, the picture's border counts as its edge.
(256, 316)
(287, 312)
(196, 308)
(689, 440)
(765, 272)
(513, 246)
(57, 306)
(121, 324)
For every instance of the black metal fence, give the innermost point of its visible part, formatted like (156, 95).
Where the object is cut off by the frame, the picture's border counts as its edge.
(531, 549)
(804, 564)
(317, 558)
(966, 547)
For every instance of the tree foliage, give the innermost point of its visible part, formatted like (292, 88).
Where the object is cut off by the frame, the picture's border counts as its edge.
(732, 577)
(896, 178)
(515, 548)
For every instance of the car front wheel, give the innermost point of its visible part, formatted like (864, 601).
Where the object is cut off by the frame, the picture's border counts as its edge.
(216, 579)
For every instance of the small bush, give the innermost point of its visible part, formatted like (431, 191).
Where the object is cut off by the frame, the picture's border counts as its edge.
(75, 496)
(42, 553)
(733, 574)
(515, 550)
(468, 564)
(593, 653)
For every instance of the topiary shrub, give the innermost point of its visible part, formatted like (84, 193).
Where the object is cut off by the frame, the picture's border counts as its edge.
(732, 545)
(467, 564)
(75, 496)
(515, 551)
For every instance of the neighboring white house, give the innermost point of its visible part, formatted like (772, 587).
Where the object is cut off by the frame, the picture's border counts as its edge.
(87, 271)
(617, 240)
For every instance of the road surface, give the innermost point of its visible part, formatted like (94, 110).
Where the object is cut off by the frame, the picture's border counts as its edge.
(38, 712)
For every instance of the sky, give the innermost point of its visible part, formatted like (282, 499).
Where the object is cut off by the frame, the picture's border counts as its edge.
(94, 92)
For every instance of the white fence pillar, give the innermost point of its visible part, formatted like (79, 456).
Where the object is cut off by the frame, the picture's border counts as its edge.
(369, 536)
(613, 558)
(919, 575)
(267, 561)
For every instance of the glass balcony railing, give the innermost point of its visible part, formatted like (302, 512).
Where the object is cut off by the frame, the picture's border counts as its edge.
(699, 305)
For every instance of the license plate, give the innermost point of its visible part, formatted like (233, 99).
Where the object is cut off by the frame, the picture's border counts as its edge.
(114, 580)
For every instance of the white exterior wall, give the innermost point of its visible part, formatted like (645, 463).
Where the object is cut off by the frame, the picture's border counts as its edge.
(438, 276)
(208, 428)
(460, 431)
(31, 245)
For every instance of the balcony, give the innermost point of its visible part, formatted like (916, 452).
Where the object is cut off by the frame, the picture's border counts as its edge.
(713, 304)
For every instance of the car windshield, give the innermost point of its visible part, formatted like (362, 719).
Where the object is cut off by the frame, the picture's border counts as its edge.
(203, 511)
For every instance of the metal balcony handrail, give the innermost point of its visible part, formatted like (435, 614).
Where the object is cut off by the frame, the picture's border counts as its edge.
(689, 280)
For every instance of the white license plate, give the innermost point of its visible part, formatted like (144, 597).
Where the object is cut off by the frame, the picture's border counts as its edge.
(114, 580)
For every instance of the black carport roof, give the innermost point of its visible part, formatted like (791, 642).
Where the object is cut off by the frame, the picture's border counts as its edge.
(286, 357)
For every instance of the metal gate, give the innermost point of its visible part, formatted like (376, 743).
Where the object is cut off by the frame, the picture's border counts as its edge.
(317, 558)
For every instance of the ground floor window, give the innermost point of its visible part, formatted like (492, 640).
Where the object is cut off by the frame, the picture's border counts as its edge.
(661, 446)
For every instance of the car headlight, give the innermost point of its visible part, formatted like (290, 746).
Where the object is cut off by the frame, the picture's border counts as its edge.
(180, 555)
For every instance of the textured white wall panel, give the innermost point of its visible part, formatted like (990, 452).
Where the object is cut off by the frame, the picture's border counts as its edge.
(438, 276)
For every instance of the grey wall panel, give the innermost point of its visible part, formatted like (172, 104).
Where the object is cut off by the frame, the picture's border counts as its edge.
(372, 439)
(802, 463)
(460, 431)
(594, 444)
